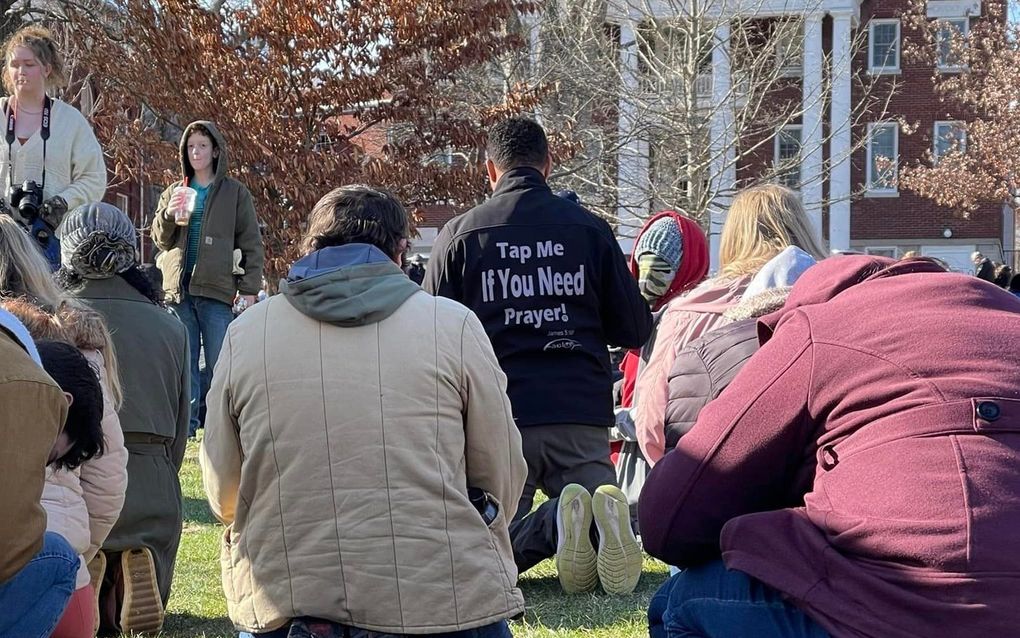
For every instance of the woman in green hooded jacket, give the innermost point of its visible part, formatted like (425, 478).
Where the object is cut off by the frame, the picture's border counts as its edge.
(212, 256)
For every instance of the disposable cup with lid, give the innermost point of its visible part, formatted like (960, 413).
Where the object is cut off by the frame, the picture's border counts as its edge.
(183, 201)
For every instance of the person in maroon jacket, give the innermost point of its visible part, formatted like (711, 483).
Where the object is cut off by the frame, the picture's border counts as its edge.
(861, 475)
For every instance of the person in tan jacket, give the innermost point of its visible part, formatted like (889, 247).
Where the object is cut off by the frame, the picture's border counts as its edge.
(37, 568)
(82, 505)
(360, 446)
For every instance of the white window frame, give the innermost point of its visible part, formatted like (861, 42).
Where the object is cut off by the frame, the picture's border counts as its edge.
(884, 70)
(935, 137)
(965, 32)
(775, 152)
(872, 190)
(878, 250)
(323, 143)
(791, 64)
(124, 203)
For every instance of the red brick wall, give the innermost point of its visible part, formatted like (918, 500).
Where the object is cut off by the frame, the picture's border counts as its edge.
(910, 216)
(371, 140)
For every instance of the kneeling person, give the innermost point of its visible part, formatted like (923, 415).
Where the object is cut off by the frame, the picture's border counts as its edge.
(363, 487)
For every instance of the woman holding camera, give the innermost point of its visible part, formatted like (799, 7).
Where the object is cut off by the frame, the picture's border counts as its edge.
(50, 160)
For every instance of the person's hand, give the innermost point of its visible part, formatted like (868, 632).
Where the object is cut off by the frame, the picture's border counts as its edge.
(176, 202)
(53, 210)
(243, 302)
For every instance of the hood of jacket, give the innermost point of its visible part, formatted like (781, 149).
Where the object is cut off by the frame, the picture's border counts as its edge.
(830, 277)
(220, 162)
(769, 289)
(781, 271)
(350, 285)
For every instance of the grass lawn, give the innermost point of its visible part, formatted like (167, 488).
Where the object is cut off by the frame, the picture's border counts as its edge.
(197, 608)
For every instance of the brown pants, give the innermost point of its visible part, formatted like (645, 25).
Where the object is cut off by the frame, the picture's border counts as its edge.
(557, 456)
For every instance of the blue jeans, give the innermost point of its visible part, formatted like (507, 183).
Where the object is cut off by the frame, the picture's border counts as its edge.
(710, 601)
(206, 320)
(33, 601)
(497, 630)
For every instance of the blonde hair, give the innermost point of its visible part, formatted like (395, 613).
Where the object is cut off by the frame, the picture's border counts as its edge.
(80, 327)
(24, 272)
(762, 222)
(87, 331)
(39, 40)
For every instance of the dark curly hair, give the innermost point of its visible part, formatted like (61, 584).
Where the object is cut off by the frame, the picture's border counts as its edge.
(517, 141)
(76, 376)
(357, 214)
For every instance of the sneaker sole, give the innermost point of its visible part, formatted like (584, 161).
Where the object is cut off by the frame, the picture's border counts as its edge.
(619, 557)
(142, 611)
(575, 556)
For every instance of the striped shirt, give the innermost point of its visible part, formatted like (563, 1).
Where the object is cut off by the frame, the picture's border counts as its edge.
(195, 226)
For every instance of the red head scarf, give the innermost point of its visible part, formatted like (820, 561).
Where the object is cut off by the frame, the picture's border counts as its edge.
(692, 270)
(693, 260)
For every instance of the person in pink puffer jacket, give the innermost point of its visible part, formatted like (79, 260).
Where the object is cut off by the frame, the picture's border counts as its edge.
(762, 222)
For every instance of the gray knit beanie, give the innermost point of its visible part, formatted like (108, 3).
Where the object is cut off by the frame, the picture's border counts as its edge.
(662, 238)
(97, 241)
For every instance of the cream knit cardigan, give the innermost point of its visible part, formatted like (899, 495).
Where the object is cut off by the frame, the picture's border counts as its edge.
(75, 169)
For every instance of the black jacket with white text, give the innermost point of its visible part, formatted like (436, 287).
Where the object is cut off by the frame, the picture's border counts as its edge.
(550, 284)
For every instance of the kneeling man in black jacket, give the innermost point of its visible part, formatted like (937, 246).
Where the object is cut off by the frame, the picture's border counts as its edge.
(550, 284)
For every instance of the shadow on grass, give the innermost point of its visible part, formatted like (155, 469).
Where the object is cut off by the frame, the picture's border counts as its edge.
(548, 606)
(196, 510)
(178, 624)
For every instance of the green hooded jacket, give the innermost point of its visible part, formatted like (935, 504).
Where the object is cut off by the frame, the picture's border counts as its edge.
(350, 285)
(228, 224)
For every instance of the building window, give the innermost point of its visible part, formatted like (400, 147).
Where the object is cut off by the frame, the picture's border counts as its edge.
(323, 143)
(951, 29)
(883, 158)
(948, 137)
(440, 158)
(789, 37)
(883, 251)
(124, 204)
(884, 46)
(787, 156)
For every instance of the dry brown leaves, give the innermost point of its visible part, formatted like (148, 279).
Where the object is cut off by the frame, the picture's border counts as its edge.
(276, 74)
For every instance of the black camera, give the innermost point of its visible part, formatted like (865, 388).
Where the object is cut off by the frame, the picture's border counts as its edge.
(26, 199)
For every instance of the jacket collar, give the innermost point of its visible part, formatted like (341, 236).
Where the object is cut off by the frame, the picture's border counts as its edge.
(111, 288)
(520, 178)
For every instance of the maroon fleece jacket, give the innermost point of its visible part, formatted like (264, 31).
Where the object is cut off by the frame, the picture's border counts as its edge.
(866, 461)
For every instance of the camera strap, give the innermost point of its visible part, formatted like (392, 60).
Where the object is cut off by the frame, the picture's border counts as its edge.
(44, 133)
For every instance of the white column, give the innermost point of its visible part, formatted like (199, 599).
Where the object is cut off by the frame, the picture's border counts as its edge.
(840, 143)
(724, 166)
(811, 120)
(632, 159)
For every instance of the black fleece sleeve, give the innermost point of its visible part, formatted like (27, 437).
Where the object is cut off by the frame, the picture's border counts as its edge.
(626, 318)
(444, 270)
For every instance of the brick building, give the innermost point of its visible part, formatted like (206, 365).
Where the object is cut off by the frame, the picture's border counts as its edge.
(852, 197)
(854, 201)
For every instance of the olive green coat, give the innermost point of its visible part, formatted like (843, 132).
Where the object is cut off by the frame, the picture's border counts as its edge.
(228, 223)
(152, 355)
